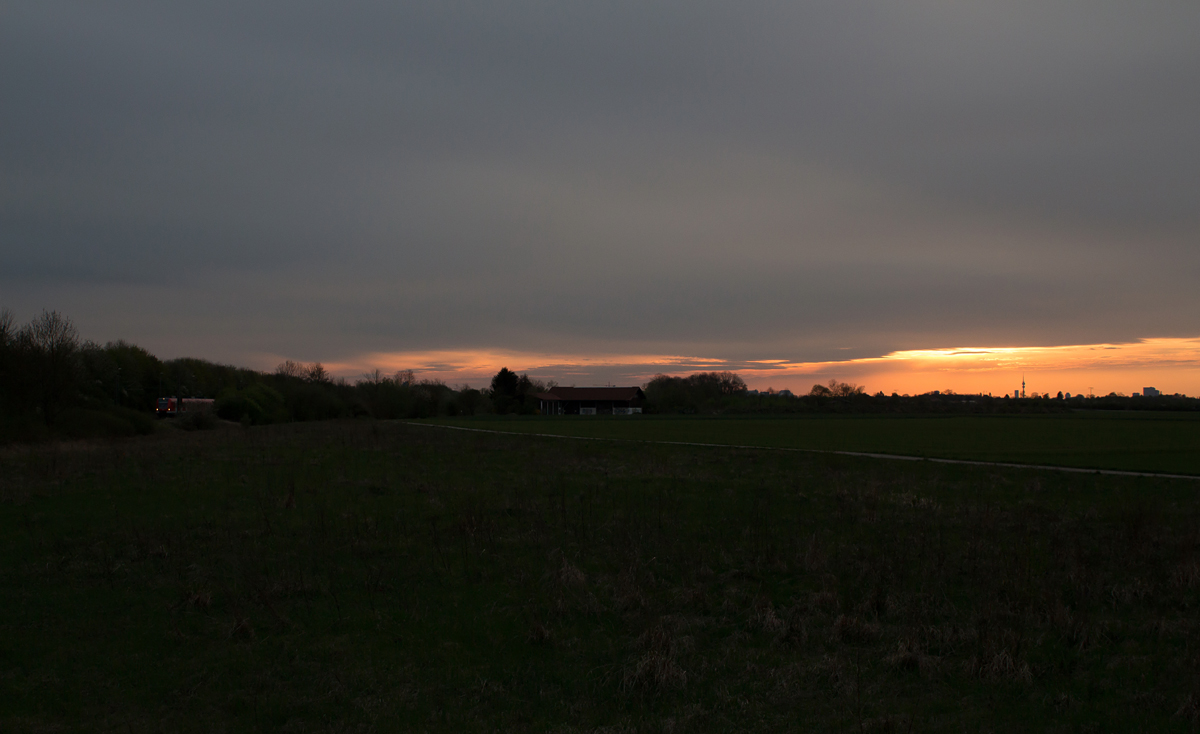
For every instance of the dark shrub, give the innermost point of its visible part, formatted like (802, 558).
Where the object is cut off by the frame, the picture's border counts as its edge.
(310, 401)
(84, 423)
(199, 420)
(142, 423)
(257, 405)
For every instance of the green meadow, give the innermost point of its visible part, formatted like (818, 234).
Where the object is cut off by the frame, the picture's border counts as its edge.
(364, 576)
(1129, 441)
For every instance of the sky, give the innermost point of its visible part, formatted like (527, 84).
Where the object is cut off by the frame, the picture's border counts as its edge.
(907, 196)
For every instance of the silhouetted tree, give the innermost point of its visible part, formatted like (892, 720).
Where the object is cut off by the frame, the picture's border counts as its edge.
(836, 389)
(470, 401)
(8, 335)
(509, 391)
(700, 392)
(8, 329)
(51, 346)
(291, 369)
(505, 382)
(315, 372)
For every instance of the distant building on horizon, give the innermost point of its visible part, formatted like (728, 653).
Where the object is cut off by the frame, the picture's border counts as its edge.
(1149, 392)
(591, 401)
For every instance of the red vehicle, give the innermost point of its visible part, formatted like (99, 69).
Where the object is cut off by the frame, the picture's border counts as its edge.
(168, 407)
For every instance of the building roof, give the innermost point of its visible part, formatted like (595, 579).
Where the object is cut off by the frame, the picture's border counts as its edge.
(592, 393)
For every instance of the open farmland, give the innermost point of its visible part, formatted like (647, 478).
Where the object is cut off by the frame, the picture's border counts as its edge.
(372, 576)
(1125, 441)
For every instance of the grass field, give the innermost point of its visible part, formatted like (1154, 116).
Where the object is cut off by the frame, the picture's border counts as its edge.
(1141, 441)
(366, 576)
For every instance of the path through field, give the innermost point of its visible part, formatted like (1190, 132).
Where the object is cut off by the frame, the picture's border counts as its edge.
(833, 451)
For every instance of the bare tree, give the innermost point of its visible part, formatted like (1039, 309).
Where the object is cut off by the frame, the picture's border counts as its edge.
(315, 372)
(8, 335)
(843, 389)
(290, 369)
(731, 383)
(8, 331)
(52, 343)
(54, 333)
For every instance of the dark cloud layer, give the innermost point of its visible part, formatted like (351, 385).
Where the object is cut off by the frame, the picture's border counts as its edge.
(739, 180)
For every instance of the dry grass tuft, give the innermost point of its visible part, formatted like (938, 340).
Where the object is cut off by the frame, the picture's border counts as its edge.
(788, 627)
(1134, 591)
(1000, 665)
(889, 723)
(627, 593)
(654, 671)
(691, 596)
(794, 633)
(852, 629)
(910, 656)
(199, 599)
(1062, 702)
(242, 629)
(837, 673)
(539, 634)
(908, 499)
(763, 617)
(1189, 708)
(824, 601)
(657, 669)
(570, 575)
(1187, 575)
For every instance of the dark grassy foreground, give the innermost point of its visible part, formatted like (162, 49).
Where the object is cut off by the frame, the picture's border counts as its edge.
(374, 577)
(1123, 440)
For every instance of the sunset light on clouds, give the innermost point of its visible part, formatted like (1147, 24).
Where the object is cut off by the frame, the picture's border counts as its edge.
(544, 365)
(1171, 365)
(599, 192)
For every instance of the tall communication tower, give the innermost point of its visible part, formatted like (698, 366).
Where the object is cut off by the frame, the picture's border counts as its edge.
(1022, 385)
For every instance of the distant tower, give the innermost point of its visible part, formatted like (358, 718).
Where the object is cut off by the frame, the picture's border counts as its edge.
(1022, 385)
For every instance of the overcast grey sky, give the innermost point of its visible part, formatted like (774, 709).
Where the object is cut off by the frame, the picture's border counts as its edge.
(801, 181)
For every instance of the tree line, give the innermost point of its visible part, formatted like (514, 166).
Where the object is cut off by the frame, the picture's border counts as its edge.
(53, 383)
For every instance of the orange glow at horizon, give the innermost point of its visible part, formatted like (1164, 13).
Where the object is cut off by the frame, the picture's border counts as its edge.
(1170, 364)
(466, 366)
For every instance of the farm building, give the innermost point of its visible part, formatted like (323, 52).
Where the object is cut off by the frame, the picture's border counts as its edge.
(591, 401)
